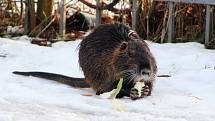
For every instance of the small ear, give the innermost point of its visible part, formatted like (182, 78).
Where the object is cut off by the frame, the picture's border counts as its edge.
(124, 46)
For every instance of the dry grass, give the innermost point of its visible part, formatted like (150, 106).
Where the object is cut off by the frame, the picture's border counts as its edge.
(188, 25)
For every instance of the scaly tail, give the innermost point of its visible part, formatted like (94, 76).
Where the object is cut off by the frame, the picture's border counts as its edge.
(74, 82)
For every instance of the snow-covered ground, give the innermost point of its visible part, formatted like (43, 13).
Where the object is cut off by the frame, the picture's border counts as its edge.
(189, 95)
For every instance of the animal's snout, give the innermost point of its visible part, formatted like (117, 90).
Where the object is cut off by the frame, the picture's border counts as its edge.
(145, 72)
(144, 76)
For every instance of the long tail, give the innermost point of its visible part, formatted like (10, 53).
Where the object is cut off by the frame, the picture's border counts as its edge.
(74, 82)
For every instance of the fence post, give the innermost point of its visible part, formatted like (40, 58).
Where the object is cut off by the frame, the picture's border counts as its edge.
(134, 15)
(170, 22)
(62, 26)
(207, 27)
(98, 13)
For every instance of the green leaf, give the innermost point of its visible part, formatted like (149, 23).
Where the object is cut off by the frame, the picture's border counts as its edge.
(117, 90)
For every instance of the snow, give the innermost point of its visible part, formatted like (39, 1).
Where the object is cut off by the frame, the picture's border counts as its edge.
(188, 95)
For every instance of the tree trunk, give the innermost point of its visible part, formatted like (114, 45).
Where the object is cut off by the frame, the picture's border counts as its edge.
(21, 12)
(32, 17)
(44, 9)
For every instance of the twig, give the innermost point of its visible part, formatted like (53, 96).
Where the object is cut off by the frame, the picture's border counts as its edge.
(35, 28)
(163, 75)
(195, 97)
(3, 56)
(46, 27)
(165, 25)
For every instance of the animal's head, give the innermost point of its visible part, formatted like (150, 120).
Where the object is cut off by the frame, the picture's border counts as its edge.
(133, 60)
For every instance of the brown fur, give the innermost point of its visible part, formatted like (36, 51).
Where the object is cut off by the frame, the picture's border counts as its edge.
(104, 55)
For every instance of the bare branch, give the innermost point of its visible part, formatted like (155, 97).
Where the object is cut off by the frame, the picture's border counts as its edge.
(110, 5)
(105, 6)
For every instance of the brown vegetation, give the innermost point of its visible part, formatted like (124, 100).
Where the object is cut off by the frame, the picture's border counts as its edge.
(189, 24)
(189, 21)
(9, 15)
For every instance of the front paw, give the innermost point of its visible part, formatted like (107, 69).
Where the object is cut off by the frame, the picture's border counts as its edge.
(134, 94)
(145, 91)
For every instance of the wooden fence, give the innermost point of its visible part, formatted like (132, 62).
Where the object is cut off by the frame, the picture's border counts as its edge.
(208, 28)
(171, 5)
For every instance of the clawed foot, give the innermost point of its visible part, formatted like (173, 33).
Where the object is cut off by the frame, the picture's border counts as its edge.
(103, 88)
(134, 94)
(145, 91)
(99, 92)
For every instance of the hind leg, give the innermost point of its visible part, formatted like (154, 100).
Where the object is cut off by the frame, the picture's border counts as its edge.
(107, 87)
(110, 86)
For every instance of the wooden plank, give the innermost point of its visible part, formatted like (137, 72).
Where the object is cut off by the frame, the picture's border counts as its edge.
(98, 13)
(207, 28)
(62, 28)
(208, 2)
(134, 15)
(170, 22)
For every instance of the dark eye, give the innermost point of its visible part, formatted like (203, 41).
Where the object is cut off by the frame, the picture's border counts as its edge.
(123, 46)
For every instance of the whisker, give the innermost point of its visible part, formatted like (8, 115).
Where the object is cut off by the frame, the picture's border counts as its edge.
(125, 72)
(128, 75)
(130, 79)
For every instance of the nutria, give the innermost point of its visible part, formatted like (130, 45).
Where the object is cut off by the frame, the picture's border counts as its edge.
(108, 53)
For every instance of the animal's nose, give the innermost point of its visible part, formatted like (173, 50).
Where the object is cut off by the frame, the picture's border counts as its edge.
(146, 72)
